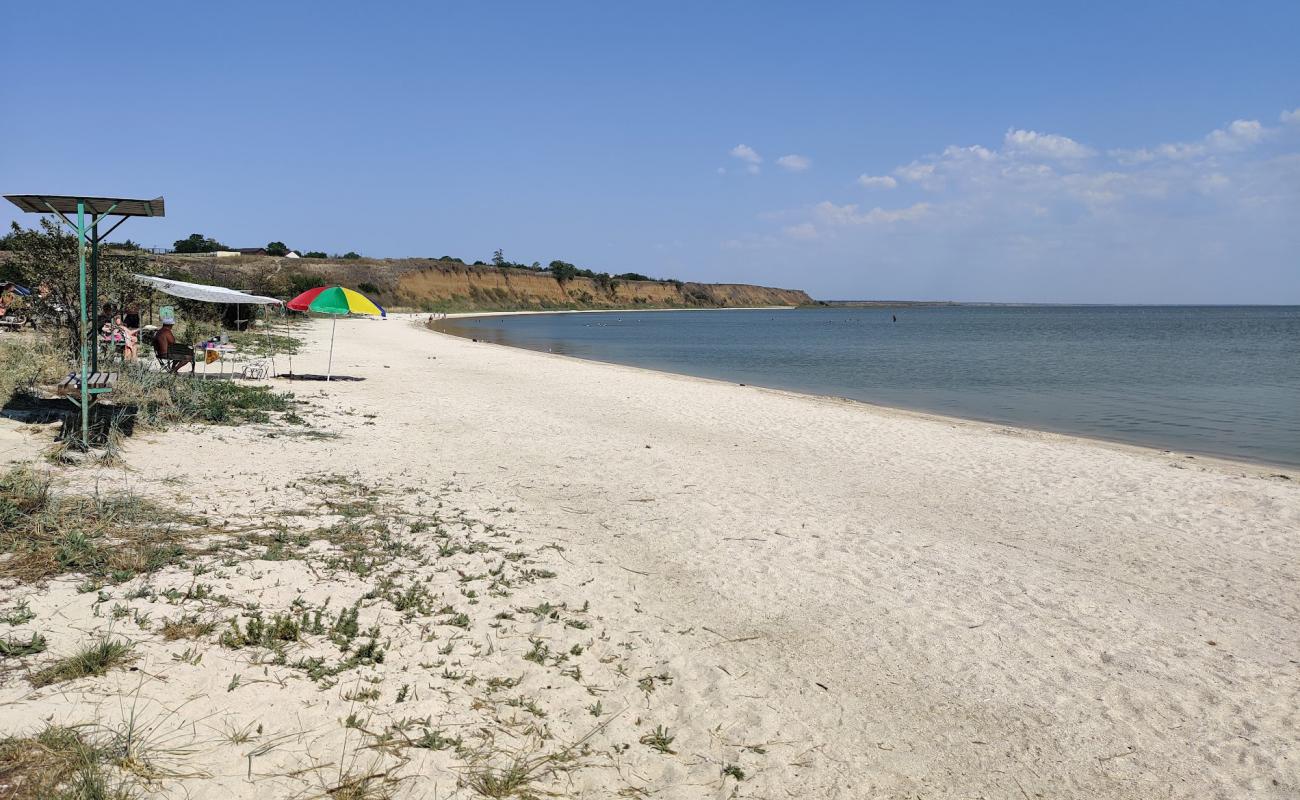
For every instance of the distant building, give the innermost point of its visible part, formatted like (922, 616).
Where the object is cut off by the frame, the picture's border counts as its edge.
(293, 254)
(251, 251)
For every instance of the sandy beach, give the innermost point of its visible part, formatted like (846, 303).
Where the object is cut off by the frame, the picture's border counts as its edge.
(802, 596)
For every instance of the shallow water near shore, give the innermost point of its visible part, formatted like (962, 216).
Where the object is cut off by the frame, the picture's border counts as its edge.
(1218, 380)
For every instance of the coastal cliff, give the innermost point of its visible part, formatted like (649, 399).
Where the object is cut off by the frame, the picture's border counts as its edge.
(440, 285)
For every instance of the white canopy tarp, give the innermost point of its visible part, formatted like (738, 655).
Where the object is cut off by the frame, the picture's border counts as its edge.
(206, 294)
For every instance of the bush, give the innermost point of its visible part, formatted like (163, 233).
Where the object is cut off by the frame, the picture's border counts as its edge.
(314, 254)
(351, 256)
(367, 288)
(277, 249)
(633, 276)
(299, 283)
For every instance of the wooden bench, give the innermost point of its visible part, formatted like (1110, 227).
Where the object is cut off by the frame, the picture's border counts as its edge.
(98, 382)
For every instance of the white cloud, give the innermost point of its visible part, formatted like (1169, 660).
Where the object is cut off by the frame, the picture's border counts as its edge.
(1044, 216)
(1240, 135)
(849, 214)
(747, 154)
(973, 153)
(877, 181)
(915, 172)
(794, 162)
(1043, 145)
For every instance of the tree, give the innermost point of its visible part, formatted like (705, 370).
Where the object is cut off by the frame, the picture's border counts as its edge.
(563, 271)
(45, 259)
(633, 276)
(197, 243)
(605, 282)
(277, 249)
(498, 258)
(314, 254)
(351, 256)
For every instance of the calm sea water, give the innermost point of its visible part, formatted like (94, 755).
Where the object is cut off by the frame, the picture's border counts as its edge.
(1216, 380)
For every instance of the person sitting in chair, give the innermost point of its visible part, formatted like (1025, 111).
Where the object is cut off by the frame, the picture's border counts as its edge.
(163, 342)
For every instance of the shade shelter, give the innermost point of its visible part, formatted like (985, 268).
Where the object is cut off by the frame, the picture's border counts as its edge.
(90, 213)
(205, 293)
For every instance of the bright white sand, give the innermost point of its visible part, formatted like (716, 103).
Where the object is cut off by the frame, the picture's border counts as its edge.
(885, 604)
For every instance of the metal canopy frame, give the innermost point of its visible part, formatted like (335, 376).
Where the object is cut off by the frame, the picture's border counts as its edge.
(99, 208)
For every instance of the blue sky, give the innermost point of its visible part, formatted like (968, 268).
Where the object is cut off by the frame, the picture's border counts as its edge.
(1102, 152)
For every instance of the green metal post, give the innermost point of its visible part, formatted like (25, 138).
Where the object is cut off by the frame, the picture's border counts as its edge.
(94, 292)
(85, 325)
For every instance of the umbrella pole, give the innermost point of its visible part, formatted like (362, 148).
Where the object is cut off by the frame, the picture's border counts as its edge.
(329, 369)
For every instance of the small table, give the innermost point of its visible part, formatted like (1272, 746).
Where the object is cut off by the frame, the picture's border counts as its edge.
(222, 350)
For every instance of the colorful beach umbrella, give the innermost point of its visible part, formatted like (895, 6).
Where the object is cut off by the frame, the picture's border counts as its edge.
(336, 301)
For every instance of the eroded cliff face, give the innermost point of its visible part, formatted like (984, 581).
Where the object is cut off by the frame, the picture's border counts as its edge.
(429, 285)
(492, 288)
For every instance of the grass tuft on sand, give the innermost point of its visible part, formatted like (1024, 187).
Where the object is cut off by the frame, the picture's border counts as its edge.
(91, 660)
(45, 533)
(161, 399)
(56, 764)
